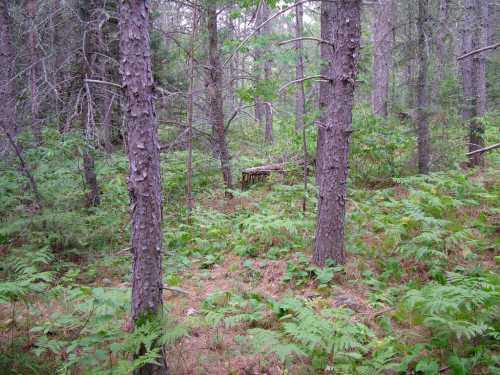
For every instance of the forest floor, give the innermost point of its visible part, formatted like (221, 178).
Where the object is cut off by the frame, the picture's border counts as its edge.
(419, 292)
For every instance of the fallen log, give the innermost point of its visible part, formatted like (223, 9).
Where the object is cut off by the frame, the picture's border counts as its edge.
(250, 176)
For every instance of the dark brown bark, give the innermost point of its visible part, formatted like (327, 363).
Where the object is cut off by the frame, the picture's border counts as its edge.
(337, 131)
(215, 98)
(34, 71)
(144, 182)
(382, 56)
(422, 89)
(300, 102)
(325, 88)
(7, 73)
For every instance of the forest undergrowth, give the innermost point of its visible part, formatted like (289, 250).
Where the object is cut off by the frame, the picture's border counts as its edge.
(419, 292)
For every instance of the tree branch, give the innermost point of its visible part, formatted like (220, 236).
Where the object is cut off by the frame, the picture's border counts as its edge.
(301, 80)
(475, 52)
(305, 38)
(484, 149)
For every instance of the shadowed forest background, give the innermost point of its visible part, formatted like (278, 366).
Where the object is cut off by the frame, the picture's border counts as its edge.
(249, 187)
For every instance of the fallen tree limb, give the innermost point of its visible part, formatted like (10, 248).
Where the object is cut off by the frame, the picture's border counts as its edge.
(484, 149)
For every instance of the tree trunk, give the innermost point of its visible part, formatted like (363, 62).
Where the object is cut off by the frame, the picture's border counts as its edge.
(480, 59)
(268, 109)
(300, 103)
(382, 56)
(189, 162)
(441, 41)
(259, 103)
(144, 182)
(34, 71)
(410, 56)
(215, 99)
(88, 113)
(338, 128)
(7, 73)
(325, 88)
(469, 82)
(422, 90)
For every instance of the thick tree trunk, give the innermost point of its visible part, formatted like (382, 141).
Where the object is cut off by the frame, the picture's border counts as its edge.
(34, 71)
(7, 73)
(382, 56)
(144, 182)
(300, 102)
(422, 90)
(215, 99)
(325, 88)
(338, 128)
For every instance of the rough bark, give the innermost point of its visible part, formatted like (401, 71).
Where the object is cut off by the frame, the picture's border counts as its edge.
(325, 88)
(7, 73)
(382, 56)
(215, 98)
(337, 132)
(144, 182)
(422, 89)
(34, 70)
(300, 102)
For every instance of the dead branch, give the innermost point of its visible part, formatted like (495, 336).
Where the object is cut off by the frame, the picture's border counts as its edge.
(302, 80)
(305, 38)
(475, 52)
(484, 149)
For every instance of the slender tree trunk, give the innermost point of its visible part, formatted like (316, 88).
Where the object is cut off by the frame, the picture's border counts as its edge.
(410, 56)
(215, 99)
(422, 90)
(441, 41)
(144, 182)
(189, 163)
(7, 73)
(259, 103)
(469, 81)
(338, 128)
(268, 109)
(34, 71)
(88, 112)
(325, 88)
(480, 59)
(300, 102)
(382, 56)
(24, 166)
